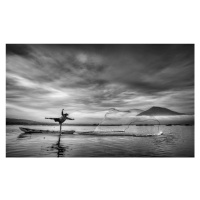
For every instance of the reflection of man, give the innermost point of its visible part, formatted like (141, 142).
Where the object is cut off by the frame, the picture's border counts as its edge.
(61, 119)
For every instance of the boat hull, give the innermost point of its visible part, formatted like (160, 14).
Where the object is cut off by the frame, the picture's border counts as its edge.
(28, 130)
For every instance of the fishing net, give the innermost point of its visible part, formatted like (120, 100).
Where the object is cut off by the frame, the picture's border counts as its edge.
(128, 122)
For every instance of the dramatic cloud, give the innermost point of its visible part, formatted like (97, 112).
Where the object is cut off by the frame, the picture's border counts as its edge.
(89, 79)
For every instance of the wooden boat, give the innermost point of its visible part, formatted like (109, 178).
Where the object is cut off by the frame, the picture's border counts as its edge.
(28, 130)
(116, 133)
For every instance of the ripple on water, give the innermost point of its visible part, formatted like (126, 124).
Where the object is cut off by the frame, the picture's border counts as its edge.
(177, 141)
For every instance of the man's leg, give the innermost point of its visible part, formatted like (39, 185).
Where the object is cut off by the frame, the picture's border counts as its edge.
(60, 127)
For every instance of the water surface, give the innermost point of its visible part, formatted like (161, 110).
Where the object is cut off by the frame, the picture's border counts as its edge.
(177, 141)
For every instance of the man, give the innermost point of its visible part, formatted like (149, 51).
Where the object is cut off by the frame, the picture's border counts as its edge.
(61, 119)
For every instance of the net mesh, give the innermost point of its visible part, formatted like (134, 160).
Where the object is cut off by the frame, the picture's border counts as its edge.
(128, 122)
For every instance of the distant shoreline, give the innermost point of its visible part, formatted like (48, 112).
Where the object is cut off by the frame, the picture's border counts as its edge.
(171, 122)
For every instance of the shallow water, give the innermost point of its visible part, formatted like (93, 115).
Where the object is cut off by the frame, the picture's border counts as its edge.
(176, 141)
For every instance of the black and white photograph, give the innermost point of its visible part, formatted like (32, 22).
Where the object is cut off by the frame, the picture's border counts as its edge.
(100, 100)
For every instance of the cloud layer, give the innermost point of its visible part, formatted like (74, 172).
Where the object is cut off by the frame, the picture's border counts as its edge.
(43, 79)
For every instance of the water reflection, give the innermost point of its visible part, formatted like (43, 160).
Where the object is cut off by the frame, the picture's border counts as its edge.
(60, 148)
(24, 135)
(176, 142)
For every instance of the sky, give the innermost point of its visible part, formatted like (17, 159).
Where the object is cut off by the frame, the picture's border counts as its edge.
(88, 79)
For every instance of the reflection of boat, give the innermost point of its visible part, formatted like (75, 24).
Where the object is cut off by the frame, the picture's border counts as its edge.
(28, 130)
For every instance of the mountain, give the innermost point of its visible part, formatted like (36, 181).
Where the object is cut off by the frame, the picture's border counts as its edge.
(159, 111)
